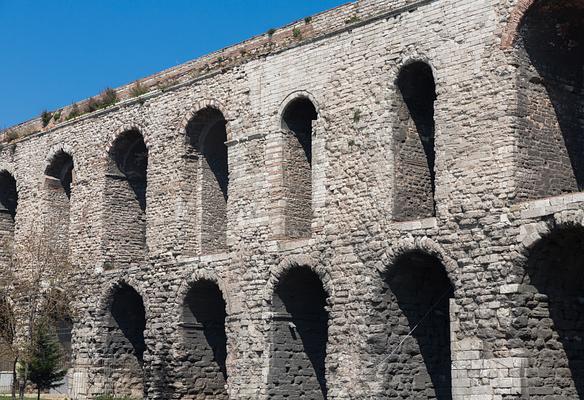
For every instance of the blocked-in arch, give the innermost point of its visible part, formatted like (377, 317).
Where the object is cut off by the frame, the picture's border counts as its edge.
(125, 198)
(297, 121)
(58, 186)
(411, 305)
(203, 315)
(549, 312)
(299, 332)
(8, 210)
(206, 177)
(549, 48)
(413, 142)
(124, 345)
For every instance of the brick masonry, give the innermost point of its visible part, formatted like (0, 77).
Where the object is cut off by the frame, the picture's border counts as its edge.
(329, 269)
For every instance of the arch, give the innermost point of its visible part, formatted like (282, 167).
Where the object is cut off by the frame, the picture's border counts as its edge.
(299, 333)
(212, 104)
(59, 166)
(124, 128)
(8, 194)
(124, 346)
(206, 176)
(297, 120)
(300, 261)
(298, 95)
(515, 18)
(412, 305)
(205, 340)
(549, 312)
(205, 275)
(8, 211)
(125, 194)
(549, 48)
(420, 244)
(414, 133)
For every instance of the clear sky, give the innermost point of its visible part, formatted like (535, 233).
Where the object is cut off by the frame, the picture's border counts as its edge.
(55, 52)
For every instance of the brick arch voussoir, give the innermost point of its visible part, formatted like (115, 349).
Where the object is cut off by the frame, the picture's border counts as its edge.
(299, 261)
(423, 245)
(515, 19)
(208, 103)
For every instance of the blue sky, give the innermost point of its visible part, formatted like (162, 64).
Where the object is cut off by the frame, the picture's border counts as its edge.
(55, 52)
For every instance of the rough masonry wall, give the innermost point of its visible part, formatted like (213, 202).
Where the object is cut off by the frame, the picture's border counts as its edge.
(477, 234)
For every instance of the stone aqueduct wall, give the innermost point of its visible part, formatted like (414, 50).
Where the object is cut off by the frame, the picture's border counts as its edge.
(367, 232)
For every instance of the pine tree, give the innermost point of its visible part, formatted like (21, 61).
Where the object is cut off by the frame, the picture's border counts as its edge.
(44, 364)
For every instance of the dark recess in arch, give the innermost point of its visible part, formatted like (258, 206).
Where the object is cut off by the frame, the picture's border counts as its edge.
(550, 318)
(61, 170)
(205, 340)
(297, 121)
(130, 156)
(129, 317)
(415, 301)
(207, 135)
(299, 337)
(551, 99)
(414, 143)
(8, 194)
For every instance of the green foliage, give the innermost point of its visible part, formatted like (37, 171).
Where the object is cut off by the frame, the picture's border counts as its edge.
(92, 105)
(44, 361)
(308, 20)
(297, 33)
(109, 97)
(46, 117)
(138, 90)
(357, 116)
(74, 113)
(271, 32)
(57, 116)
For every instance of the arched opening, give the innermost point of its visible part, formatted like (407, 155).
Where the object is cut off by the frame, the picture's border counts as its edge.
(551, 319)
(208, 176)
(59, 173)
(58, 184)
(125, 346)
(205, 341)
(551, 99)
(414, 143)
(414, 354)
(297, 123)
(125, 196)
(8, 206)
(299, 337)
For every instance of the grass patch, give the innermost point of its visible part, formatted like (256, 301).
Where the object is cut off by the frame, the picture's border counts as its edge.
(138, 90)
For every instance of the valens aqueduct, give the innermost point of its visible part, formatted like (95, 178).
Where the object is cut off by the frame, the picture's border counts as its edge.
(378, 202)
